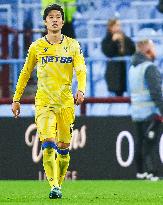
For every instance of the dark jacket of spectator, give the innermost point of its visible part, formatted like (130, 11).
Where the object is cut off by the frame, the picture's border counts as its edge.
(116, 71)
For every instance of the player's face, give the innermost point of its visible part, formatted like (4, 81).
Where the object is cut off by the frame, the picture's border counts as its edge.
(54, 21)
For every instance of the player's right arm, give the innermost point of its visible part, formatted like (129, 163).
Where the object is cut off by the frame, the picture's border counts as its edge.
(24, 76)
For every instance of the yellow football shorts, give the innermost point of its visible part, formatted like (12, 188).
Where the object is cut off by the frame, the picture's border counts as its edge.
(52, 123)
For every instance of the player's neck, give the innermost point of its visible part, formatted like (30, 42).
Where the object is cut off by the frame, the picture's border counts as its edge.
(54, 37)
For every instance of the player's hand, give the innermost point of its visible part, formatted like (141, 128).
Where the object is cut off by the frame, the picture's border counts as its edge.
(16, 109)
(79, 97)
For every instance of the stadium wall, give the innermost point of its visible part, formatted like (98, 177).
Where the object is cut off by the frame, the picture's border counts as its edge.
(101, 148)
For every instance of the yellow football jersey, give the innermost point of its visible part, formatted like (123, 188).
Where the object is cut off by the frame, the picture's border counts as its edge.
(55, 64)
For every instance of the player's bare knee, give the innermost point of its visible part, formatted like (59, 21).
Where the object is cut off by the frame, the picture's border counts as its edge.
(63, 145)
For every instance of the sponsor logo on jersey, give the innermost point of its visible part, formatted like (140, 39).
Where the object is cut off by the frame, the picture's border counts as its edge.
(56, 59)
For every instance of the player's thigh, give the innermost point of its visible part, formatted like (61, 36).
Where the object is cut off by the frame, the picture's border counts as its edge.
(65, 122)
(45, 119)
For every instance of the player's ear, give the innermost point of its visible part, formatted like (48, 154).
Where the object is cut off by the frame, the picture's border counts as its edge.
(63, 22)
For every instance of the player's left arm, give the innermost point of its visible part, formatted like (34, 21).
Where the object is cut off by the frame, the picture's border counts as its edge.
(80, 68)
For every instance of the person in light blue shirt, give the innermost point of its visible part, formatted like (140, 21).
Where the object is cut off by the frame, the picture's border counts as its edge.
(146, 107)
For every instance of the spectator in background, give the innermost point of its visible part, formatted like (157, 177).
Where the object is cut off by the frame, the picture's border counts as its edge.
(69, 10)
(116, 44)
(160, 6)
(146, 107)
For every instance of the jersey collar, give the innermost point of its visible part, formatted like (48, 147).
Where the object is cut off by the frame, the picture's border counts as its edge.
(54, 43)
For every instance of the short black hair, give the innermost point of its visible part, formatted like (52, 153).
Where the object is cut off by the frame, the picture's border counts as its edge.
(53, 7)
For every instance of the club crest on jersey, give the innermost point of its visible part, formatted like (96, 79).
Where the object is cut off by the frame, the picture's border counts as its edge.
(45, 49)
(65, 48)
(56, 59)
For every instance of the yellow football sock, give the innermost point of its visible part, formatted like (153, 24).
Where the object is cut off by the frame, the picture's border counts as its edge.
(62, 164)
(50, 166)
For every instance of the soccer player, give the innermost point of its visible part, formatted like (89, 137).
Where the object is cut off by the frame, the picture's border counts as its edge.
(56, 56)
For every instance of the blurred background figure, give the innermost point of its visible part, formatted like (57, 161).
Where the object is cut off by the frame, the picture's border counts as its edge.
(69, 10)
(160, 6)
(116, 44)
(146, 107)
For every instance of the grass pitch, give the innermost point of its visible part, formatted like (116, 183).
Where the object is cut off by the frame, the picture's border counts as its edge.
(83, 193)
